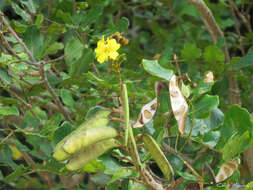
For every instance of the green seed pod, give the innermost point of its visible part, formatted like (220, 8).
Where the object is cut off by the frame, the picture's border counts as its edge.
(99, 119)
(88, 137)
(90, 153)
(59, 153)
(158, 156)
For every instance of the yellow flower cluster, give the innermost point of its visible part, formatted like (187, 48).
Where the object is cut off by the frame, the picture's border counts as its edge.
(107, 50)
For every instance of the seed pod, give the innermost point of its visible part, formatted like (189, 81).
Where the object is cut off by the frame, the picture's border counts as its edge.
(158, 156)
(90, 153)
(227, 169)
(88, 137)
(16, 154)
(100, 119)
(59, 153)
(178, 104)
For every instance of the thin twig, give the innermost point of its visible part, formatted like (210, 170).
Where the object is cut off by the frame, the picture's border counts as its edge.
(244, 19)
(178, 22)
(237, 28)
(14, 34)
(117, 119)
(56, 59)
(178, 69)
(52, 92)
(45, 176)
(29, 106)
(11, 50)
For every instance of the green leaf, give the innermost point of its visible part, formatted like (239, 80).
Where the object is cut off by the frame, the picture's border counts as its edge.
(100, 179)
(112, 186)
(246, 61)
(211, 138)
(7, 110)
(138, 186)
(213, 55)
(39, 20)
(65, 129)
(191, 52)
(21, 12)
(34, 40)
(74, 49)
(153, 68)
(237, 121)
(82, 65)
(67, 98)
(249, 186)
(111, 165)
(186, 90)
(30, 121)
(236, 146)
(64, 16)
(122, 173)
(203, 106)
(31, 5)
(14, 175)
(98, 81)
(176, 163)
(5, 77)
(92, 15)
(56, 29)
(54, 48)
(5, 156)
(187, 176)
(94, 166)
(123, 24)
(19, 145)
(92, 111)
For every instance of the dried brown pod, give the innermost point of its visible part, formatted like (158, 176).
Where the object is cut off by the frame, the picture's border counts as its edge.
(147, 113)
(226, 170)
(178, 104)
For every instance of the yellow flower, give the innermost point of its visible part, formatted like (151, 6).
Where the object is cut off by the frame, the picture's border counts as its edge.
(107, 50)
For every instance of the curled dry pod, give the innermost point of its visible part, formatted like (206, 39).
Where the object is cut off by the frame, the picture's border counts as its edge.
(147, 113)
(226, 170)
(178, 104)
(99, 119)
(90, 153)
(87, 137)
(158, 156)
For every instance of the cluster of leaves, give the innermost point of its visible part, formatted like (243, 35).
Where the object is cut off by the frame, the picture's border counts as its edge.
(62, 36)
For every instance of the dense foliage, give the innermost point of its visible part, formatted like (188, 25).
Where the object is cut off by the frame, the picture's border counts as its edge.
(94, 81)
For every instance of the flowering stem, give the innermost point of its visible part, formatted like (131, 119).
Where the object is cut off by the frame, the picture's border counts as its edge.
(126, 112)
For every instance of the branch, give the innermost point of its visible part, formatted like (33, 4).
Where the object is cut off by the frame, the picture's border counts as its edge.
(14, 34)
(13, 93)
(45, 176)
(11, 50)
(208, 19)
(216, 33)
(244, 19)
(237, 27)
(52, 92)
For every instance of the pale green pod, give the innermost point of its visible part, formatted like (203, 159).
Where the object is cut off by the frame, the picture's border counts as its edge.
(90, 153)
(60, 154)
(88, 137)
(99, 119)
(158, 156)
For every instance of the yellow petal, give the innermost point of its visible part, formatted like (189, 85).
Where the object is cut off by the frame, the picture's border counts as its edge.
(113, 55)
(102, 58)
(113, 45)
